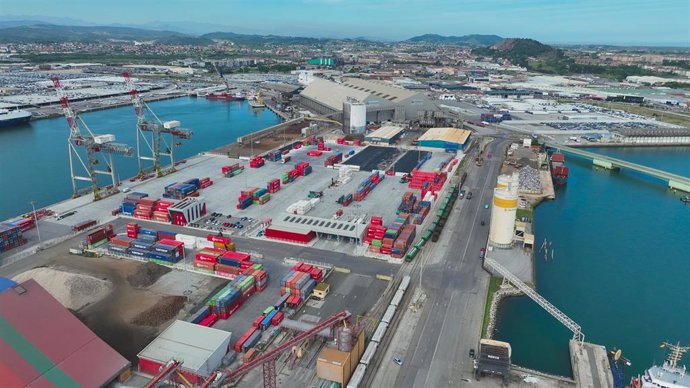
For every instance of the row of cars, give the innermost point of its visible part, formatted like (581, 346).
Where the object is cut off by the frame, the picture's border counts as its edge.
(219, 222)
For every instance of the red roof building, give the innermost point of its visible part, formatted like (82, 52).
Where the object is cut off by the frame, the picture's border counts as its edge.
(43, 345)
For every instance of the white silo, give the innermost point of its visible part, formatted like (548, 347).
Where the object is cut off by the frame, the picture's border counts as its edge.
(503, 212)
(503, 181)
(355, 116)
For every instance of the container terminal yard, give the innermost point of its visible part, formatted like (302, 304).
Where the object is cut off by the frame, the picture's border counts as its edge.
(316, 258)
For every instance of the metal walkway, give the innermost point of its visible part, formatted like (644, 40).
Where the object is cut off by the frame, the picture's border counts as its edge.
(529, 291)
(674, 181)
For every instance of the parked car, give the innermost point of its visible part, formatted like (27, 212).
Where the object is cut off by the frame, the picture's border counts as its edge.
(471, 353)
(398, 360)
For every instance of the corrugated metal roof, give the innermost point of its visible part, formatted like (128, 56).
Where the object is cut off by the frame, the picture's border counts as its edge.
(385, 132)
(450, 135)
(321, 225)
(42, 343)
(331, 94)
(188, 342)
(379, 88)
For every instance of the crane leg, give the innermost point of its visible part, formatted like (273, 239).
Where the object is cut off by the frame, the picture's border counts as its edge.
(270, 373)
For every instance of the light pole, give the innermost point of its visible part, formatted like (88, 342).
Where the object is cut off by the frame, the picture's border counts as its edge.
(36, 220)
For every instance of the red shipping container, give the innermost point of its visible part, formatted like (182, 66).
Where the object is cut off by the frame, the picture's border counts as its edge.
(257, 321)
(277, 318)
(204, 265)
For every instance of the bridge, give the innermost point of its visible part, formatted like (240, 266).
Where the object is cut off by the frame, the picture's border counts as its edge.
(675, 182)
(578, 335)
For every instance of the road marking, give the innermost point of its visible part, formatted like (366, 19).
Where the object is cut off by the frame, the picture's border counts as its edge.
(387, 278)
(440, 335)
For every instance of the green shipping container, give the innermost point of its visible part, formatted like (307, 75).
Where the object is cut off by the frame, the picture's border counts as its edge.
(376, 243)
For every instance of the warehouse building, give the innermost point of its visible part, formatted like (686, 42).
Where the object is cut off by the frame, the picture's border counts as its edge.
(200, 348)
(43, 345)
(384, 101)
(387, 134)
(444, 138)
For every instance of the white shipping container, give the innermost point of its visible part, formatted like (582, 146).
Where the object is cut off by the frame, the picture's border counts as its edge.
(171, 124)
(357, 376)
(369, 353)
(100, 139)
(188, 241)
(380, 332)
(388, 316)
(404, 283)
(202, 243)
(397, 298)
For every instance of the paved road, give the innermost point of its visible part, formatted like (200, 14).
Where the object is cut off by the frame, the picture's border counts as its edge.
(455, 284)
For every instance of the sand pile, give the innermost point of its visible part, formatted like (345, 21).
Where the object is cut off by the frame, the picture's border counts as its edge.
(164, 310)
(72, 290)
(147, 274)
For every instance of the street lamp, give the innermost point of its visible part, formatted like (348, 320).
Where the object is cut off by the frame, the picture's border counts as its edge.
(36, 220)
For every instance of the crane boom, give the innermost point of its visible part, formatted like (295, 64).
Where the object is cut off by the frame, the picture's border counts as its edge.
(271, 355)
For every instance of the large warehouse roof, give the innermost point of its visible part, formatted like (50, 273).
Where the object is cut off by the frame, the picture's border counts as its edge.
(322, 225)
(331, 94)
(450, 135)
(385, 132)
(195, 344)
(379, 89)
(43, 345)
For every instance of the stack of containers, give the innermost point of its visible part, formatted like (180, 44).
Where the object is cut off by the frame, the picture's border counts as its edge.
(221, 242)
(144, 208)
(259, 274)
(130, 202)
(333, 159)
(23, 224)
(375, 234)
(205, 260)
(303, 169)
(427, 180)
(205, 182)
(99, 236)
(290, 176)
(160, 211)
(232, 170)
(403, 242)
(230, 264)
(182, 190)
(367, 185)
(244, 201)
(340, 140)
(200, 315)
(407, 203)
(119, 244)
(260, 196)
(166, 252)
(249, 337)
(302, 206)
(226, 302)
(273, 186)
(10, 237)
(256, 162)
(147, 235)
(275, 156)
(298, 285)
(132, 230)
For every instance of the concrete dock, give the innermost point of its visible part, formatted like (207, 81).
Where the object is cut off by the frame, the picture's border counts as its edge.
(591, 368)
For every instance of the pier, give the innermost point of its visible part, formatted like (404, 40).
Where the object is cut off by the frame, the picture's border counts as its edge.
(675, 182)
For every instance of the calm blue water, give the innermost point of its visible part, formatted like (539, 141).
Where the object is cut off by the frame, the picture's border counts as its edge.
(621, 267)
(34, 161)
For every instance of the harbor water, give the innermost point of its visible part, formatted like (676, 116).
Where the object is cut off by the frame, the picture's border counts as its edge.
(34, 157)
(620, 267)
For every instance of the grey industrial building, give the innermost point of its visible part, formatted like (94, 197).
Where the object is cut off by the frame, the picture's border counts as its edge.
(385, 102)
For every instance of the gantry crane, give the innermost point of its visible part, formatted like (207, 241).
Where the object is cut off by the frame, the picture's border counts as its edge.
(157, 146)
(268, 359)
(105, 144)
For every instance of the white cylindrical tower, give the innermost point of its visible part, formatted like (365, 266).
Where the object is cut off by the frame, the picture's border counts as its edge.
(503, 182)
(358, 117)
(503, 210)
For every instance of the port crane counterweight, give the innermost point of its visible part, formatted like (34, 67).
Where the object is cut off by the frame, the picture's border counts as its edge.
(92, 145)
(151, 144)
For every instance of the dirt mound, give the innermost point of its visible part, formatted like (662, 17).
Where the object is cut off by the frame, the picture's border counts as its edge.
(147, 274)
(164, 310)
(72, 290)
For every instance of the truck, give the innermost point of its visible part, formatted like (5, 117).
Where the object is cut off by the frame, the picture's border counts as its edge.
(478, 161)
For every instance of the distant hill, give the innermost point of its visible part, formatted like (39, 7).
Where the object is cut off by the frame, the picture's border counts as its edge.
(465, 40)
(244, 39)
(47, 33)
(519, 51)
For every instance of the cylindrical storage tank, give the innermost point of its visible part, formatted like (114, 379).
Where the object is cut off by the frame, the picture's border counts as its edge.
(503, 181)
(345, 339)
(503, 218)
(355, 117)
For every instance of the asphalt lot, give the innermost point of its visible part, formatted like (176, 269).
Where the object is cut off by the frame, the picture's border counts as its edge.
(455, 285)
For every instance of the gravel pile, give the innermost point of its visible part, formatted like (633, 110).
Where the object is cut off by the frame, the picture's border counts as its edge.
(147, 274)
(163, 311)
(74, 291)
(529, 180)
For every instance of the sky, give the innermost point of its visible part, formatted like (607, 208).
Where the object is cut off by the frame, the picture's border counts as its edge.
(622, 22)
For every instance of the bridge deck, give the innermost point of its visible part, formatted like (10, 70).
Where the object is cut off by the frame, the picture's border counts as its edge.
(622, 163)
